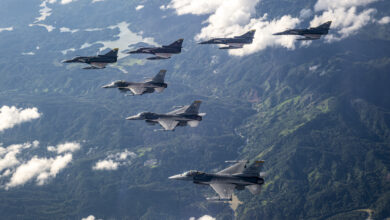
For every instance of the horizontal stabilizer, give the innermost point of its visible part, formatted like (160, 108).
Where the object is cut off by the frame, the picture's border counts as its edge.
(159, 89)
(254, 189)
(93, 68)
(229, 48)
(308, 38)
(193, 124)
(218, 199)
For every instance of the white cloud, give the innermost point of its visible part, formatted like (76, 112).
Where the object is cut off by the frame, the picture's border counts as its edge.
(65, 29)
(63, 2)
(7, 29)
(68, 50)
(198, 7)
(346, 17)
(40, 169)
(113, 161)
(45, 11)
(8, 155)
(234, 17)
(205, 217)
(323, 5)
(91, 217)
(106, 165)
(139, 7)
(11, 116)
(94, 29)
(67, 147)
(305, 13)
(345, 21)
(49, 28)
(384, 20)
(18, 171)
(93, 1)
(313, 68)
(28, 53)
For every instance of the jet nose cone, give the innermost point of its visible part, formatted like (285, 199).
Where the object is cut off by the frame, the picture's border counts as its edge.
(135, 117)
(111, 85)
(176, 177)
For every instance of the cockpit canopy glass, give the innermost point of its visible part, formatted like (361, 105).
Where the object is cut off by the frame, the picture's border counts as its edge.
(193, 173)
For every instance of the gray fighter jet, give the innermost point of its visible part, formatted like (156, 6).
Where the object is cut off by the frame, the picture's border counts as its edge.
(148, 86)
(163, 52)
(314, 33)
(235, 42)
(96, 62)
(238, 176)
(182, 116)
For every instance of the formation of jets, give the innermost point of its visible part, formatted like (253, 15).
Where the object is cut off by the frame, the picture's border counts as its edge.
(239, 176)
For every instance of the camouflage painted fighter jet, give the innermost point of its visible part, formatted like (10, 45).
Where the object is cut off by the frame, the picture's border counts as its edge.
(149, 86)
(238, 176)
(314, 33)
(236, 42)
(163, 52)
(96, 62)
(182, 116)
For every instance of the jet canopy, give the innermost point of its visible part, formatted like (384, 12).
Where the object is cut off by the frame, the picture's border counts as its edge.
(192, 173)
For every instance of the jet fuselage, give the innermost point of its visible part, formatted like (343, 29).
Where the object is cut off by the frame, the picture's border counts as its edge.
(158, 50)
(93, 59)
(211, 178)
(124, 84)
(229, 41)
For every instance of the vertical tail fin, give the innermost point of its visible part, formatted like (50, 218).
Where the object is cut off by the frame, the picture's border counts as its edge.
(159, 78)
(112, 53)
(254, 169)
(193, 108)
(177, 43)
(249, 34)
(325, 25)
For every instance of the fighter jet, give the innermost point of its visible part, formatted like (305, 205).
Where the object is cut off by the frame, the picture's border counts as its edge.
(238, 176)
(235, 42)
(163, 52)
(148, 86)
(313, 33)
(96, 62)
(182, 116)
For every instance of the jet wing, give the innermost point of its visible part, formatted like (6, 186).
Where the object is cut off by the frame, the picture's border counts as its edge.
(235, 45)
(168, 125)
(224, 190)
(137, 90)
(310, 37)
(254, 189)
(236, 168)
(98, 65)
